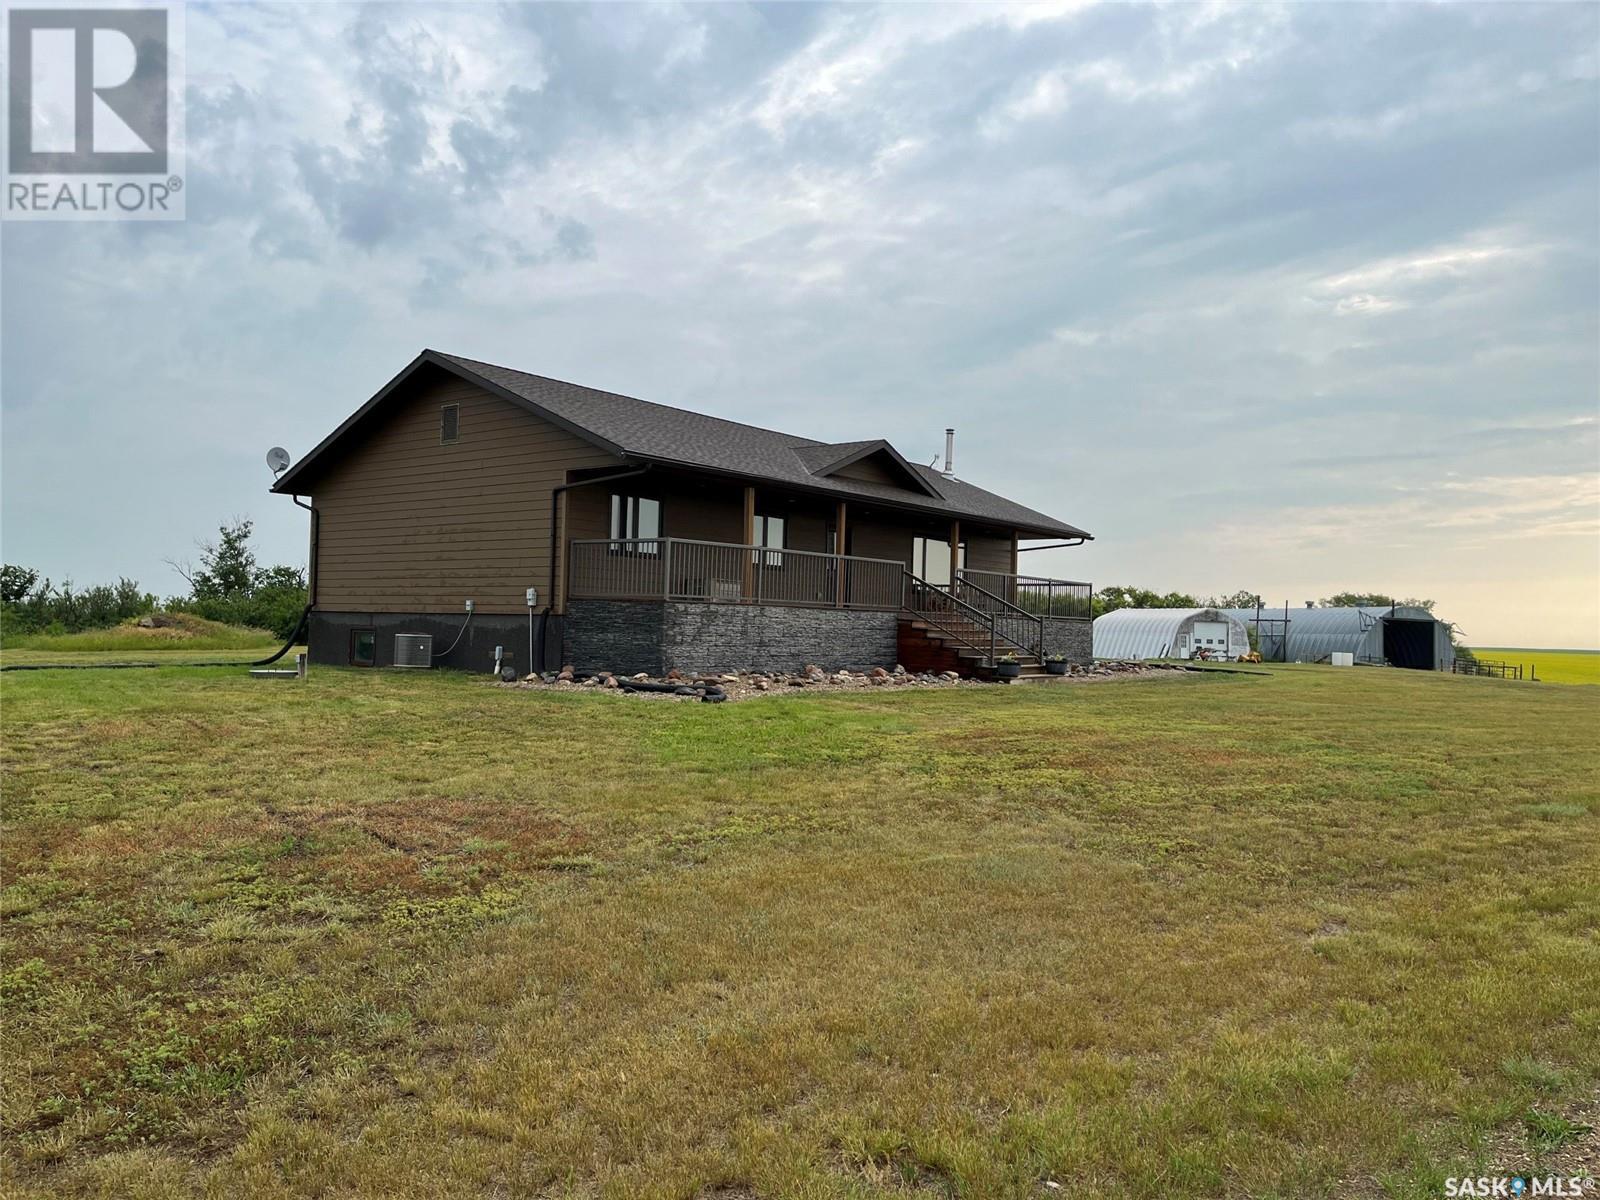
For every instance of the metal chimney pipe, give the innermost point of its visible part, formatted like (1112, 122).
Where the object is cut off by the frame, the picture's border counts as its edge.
(949, 453)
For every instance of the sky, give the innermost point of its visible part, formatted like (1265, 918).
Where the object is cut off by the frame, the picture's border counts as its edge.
(1292, 299)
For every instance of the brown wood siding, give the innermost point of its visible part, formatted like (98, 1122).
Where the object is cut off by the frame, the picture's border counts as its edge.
(872, 537)
(875, 468)
(989, 552)
(807, 529)
(589, 510)
(410, 525)
(714, 515)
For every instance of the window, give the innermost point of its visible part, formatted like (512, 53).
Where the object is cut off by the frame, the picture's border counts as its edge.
(770, 532)
(449, 423)
(930, 558)
(634, 518)
(363, 647)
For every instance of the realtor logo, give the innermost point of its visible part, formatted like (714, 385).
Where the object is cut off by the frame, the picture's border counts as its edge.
(93, 116)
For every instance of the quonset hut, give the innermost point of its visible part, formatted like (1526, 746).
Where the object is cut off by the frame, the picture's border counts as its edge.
(1401, 635)
(1169, 633)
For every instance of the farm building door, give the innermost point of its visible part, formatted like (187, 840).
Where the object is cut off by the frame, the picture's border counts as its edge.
(1212, 635)
(1408, 643)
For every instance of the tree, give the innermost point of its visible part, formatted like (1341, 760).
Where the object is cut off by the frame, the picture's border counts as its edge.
(16, 583)
(1109, 599)
(280, 578)
(1369, 600)
(1233, 600)
(31, 604)
(229, 586)
(227, 565)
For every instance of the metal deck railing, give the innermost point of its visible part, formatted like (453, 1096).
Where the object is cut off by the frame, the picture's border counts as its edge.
(727, 573)
(1036, 594)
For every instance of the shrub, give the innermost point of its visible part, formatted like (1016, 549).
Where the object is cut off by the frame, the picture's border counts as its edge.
(31, 605)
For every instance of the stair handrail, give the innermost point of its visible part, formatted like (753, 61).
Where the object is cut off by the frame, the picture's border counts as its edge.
(1016, 612)
(909, 585)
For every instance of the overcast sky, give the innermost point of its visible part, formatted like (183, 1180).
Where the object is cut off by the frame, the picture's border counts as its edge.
(1290, 299)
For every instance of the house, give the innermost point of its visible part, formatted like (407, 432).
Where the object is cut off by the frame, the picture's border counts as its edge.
(489, 507)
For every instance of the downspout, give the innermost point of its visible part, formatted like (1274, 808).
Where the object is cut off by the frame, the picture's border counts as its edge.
(311, 571)
(558, 535)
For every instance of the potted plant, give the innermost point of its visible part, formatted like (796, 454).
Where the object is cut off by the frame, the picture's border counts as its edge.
(1056, 664)
(1007, 667)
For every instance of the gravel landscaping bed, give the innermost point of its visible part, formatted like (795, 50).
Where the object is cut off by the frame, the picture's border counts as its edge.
(744, 685)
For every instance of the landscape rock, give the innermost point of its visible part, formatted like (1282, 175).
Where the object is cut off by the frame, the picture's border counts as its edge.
(745, 685)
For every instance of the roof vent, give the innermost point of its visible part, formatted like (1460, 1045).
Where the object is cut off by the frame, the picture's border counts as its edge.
(949, 471)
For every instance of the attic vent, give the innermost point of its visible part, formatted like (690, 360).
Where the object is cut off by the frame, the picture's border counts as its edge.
(413, 649)
(449, 423)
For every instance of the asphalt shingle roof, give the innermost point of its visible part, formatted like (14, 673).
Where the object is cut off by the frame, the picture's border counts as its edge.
(641, 429)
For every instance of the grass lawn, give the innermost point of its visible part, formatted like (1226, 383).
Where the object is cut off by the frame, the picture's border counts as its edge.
(1319, 933)
(1551, 666)
(161, 655)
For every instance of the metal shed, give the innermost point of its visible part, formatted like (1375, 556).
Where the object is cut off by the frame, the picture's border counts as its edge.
(1400, 635)
(1169, 633)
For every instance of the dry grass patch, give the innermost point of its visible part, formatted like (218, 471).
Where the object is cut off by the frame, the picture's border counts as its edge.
(1318, 934)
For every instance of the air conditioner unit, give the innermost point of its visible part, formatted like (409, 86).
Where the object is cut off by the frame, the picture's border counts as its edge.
(413, 649)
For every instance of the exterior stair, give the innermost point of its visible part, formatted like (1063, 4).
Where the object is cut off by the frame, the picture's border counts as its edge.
(952, 647)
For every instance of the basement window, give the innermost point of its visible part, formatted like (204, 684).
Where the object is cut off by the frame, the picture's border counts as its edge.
(449, 423)
(363, 647)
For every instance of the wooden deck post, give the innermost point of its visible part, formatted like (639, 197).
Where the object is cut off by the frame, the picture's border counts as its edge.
(749, 588)
(838, 549)
(955, 550)
(559, 581)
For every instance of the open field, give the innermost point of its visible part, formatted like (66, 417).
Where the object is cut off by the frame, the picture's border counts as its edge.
(179, 633)
(1318, 933)
(1551, 666)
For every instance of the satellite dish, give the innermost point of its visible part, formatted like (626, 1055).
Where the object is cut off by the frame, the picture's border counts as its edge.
(278, 460)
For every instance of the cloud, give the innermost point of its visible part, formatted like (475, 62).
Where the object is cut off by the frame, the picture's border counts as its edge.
(1487, 509)
(1398, 282)
(1290, 267)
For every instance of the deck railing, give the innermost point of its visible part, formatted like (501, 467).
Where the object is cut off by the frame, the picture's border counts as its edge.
(1012, 624)
(1036, 594)
(726, 573)
(953, 617)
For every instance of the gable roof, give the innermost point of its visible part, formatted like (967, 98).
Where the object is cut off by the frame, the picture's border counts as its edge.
(648, 432)
(829, 458)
